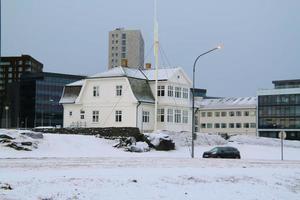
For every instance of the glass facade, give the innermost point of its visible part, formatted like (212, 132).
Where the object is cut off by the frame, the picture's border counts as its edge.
(40, 95)
(280, 111)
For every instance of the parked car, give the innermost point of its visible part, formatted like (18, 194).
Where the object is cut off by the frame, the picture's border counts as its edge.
(222, 152)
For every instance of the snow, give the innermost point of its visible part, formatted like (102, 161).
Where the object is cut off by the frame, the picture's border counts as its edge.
(77, 83)
(163, 74)
(120, 71)
(229, 102)
(86, 167)
(139, 147)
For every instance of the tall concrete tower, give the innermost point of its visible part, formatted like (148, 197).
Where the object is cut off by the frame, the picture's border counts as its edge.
(125, 45)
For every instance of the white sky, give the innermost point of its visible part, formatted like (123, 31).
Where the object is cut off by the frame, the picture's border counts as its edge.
(261, 37)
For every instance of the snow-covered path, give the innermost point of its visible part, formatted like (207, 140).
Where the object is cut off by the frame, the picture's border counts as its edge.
(149, 178)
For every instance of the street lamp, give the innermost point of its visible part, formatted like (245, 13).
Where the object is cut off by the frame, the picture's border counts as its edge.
(193, 100)
(6, 113)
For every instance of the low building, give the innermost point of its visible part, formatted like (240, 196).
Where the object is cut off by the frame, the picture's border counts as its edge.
(279, 110)
(124, 97)
(227, 115)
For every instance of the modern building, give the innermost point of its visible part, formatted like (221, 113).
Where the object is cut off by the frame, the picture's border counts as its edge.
(227, 115)
(11, 70)
(39, 95)
(124, 97)
(279, 110)
(126, 45)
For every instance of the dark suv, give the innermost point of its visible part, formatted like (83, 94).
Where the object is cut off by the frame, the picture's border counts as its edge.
(222, 152)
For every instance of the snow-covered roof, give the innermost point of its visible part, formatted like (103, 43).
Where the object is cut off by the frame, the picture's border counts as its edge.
(76, 83)
(163, 74)
(228, 102)
(120, 71)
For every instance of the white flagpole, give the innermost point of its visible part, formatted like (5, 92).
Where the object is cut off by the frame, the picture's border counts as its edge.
(156, 47)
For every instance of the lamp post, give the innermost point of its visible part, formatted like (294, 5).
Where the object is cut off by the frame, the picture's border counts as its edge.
(6, 116)
(193, 99)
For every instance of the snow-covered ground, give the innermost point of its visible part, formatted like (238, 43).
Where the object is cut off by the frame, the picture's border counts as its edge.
(86, 167)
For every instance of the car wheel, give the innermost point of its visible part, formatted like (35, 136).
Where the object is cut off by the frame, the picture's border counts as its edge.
(238, 157)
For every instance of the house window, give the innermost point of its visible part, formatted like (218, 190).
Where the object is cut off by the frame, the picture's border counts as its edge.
(119, 90)
(223, 114)
(96, 91)
(82, 112)
(177, 116)
(124, 42)
(118, 116)
(95, 116)
(70, 113)
(253, 125)
(223, 125)
(246, 125)
(161, 115)
(185, 116)
(170, 115)
(178, 92)
(209, 114)
(161, 90)
(170, 91)
(185, 93)
(146, 116)
(238, 125)
(203, 114)
(209, 125)
(203, 125)
(238, 113)
(124, 49)
(246, 113)
(123, 55)
(231, 114)
(124, 36)
(217, 114)
(217, 125)
(231, 125)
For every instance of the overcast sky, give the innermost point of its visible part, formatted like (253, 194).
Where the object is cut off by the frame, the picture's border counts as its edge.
(261, 37)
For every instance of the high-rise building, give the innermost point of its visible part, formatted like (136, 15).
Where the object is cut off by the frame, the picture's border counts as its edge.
(127, 46)
(279, 110)
(11, 69)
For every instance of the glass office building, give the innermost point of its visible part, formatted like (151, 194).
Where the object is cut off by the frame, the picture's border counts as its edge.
(39, 98)
(279, 110)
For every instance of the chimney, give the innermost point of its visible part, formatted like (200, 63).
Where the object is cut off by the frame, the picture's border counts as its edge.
(148, 65)
(124, 63)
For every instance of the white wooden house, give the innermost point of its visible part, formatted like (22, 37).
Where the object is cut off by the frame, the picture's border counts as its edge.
(124, 97)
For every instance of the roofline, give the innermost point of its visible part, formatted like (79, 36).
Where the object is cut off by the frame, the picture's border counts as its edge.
(124, 76)
(282, 81)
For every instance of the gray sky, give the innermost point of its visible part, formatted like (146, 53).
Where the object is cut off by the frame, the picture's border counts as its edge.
(261, 37)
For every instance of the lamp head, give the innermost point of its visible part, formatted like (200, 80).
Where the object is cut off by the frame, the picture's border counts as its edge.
(220, 46)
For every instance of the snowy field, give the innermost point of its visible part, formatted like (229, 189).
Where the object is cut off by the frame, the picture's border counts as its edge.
(85, 167)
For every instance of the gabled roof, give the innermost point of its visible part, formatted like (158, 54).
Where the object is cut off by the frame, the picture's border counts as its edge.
(229, 102)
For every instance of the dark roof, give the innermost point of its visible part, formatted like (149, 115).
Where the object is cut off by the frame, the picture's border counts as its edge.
(141, 90)
(70, 94)
(286, 81)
